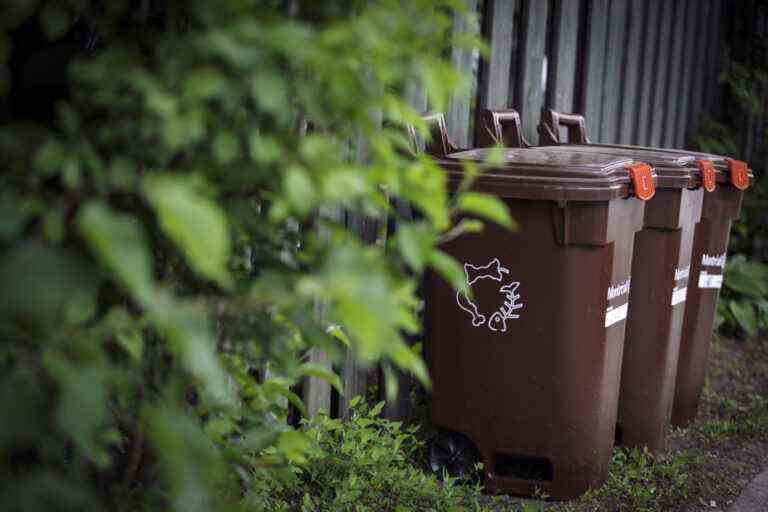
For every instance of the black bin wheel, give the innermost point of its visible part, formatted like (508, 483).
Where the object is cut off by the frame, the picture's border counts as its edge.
(454, 454)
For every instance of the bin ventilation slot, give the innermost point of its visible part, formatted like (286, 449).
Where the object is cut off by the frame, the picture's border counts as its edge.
(522, 467)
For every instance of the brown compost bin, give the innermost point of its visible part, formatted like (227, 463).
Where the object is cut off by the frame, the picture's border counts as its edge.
(721, 205)
(526, 369)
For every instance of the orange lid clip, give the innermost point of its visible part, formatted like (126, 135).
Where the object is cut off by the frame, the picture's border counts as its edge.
(642, 179)
(707, 169)
(739, 174)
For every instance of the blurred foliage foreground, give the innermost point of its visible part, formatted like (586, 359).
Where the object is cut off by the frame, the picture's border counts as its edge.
(172, 245)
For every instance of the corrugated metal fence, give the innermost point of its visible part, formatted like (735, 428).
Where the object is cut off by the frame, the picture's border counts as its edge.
(641, 71)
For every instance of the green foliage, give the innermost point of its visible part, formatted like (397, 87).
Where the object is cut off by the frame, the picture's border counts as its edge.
(173, 244)
(640, 481)
(366, 463)
(744, 303)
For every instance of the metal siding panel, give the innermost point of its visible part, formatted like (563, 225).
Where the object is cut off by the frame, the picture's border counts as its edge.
(663, 57)
(699, 75)
(614, 59)
(649, 20)
(686, 87)
(458, 116)
(631, 77)
(672, 104)
(591, 100)
(532, 72)
(715, 30)
(562, 77)
(500, 30)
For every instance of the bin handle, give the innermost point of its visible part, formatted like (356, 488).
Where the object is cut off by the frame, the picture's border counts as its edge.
(642, 180)
(707, 169)
(552, 120)
(501, 127)
(739, 174)
(438, 144)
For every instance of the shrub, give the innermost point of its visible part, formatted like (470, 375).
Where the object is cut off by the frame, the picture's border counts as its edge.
(366, 463)
(173, 238)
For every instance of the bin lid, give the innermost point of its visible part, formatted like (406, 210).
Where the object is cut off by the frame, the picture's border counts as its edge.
(543, 173)
(722, 165)
(673, 170)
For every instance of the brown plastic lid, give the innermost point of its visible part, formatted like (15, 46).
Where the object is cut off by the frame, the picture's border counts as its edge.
(541, 173)
(673, 170)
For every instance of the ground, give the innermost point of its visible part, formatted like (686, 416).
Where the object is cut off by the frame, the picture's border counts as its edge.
(708, 464)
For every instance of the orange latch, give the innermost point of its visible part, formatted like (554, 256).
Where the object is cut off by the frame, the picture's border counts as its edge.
(739, 174)
(707, 175)
(642, 179)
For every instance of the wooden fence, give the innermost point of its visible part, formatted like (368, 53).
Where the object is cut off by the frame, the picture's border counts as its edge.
(641, 71)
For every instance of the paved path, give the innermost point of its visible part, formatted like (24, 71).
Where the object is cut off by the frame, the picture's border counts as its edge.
(755, 495)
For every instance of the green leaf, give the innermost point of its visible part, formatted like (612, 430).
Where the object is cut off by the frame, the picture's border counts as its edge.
(748, 278)
(119, 242)
(488, 207)
(299, 189)
(270, 91)
(193, 222)
(321, 372)
(745, 315)
(262, 149)
(226, 148)
(189, 462)
(282, 390)
(449, 269)
(82, 408)
(190, 337)
(204, 83)
(294, 445)
(337, 332)
(376, 409)
(44, 289)
(415, 244)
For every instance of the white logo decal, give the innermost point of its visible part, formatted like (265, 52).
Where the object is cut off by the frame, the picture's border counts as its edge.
(616, 314)
(679, 295)
(619, 289)
(713, 261)
(710, 280)
(497, 321)
(682, 273)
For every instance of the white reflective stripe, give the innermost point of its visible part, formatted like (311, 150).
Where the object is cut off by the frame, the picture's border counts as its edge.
(678, 295)
(617, 314)
(710, 280)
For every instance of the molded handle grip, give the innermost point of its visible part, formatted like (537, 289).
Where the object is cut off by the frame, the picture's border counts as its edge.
(550, 123)
(501, 126)
(438, 144)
